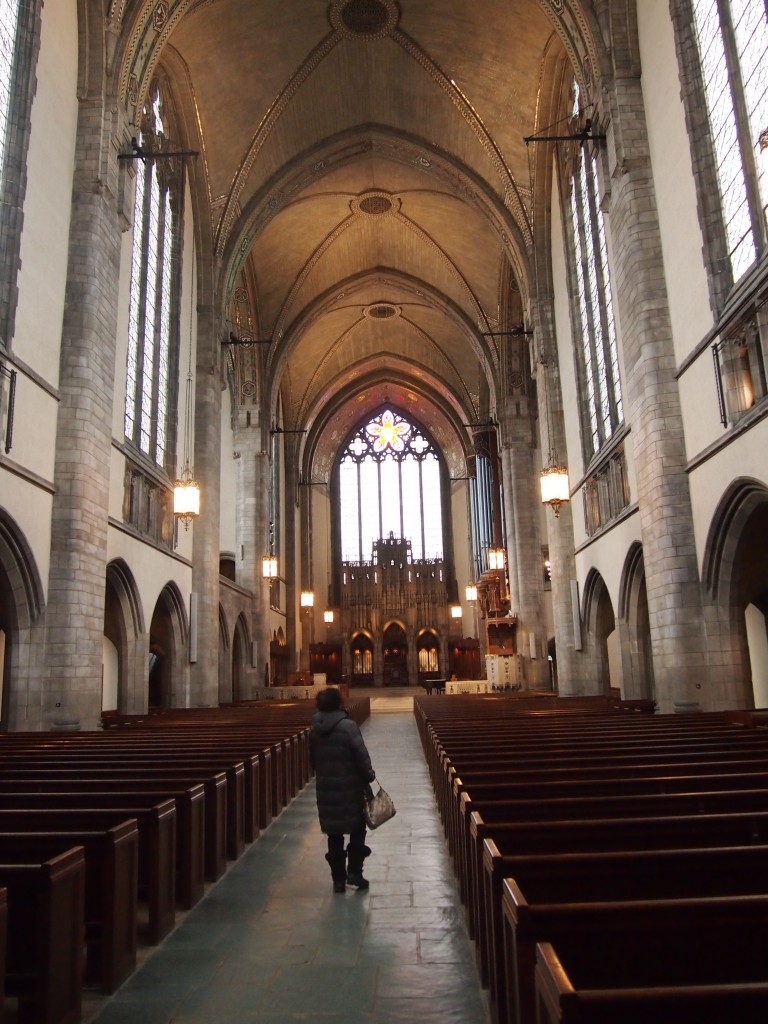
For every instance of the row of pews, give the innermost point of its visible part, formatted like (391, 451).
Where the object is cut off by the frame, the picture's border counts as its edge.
(105, 836)
(613, 863)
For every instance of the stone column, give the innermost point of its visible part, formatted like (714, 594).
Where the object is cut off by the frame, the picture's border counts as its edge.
(74, 617)
(524, 557)
(204, 684)
(573, 669)
(252, 532)
(653, 409)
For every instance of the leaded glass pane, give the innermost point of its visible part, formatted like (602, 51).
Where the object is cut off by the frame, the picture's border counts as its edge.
(380, 486)
(9, 16)
(750, 25)
(433, 523)
(732, 183)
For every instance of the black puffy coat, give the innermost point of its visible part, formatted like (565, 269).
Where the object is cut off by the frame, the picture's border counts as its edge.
(343, 769)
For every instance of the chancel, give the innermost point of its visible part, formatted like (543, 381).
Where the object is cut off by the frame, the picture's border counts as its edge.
(415, 348)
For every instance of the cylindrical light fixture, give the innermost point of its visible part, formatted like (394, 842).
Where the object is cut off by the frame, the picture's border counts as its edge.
(269, 567)
(496, 558)
(555, 488)
(307, 599)
(328, 615)
(471, 592)
(455, 611)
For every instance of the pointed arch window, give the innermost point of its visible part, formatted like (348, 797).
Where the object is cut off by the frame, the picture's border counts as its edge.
(603, 408)
(9, 21)
(389, 484)
(732, 42)
(152, 364)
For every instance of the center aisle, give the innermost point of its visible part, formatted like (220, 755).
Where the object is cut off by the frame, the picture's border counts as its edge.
(271, 941)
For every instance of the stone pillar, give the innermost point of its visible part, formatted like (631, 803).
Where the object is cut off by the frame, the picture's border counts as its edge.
(522, 513)
(252, 532)
(652, 404)
(74, 617)
(573, 669)
(204, 683)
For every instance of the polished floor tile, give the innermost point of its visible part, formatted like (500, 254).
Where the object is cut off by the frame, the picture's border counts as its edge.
(272, 944)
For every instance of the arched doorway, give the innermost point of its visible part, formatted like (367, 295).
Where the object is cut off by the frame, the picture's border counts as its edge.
(635, 629)
(601, 629)
(167, 670)
(362, 660)
(124, 650)
(239, 659)
(394, 645)
(428, 656)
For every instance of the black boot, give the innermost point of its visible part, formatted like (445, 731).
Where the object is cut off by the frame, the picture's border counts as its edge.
(338, 871)
(355, 858)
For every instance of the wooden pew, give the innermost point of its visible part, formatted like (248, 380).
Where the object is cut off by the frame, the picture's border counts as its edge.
(155, 883)
(111, 870)
(595, 835)
(653, 964)
(189, 840)
(44, 957)
(215, 786)
(585, 878)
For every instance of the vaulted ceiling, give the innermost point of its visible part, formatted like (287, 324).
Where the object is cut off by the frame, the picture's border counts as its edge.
(369, 188)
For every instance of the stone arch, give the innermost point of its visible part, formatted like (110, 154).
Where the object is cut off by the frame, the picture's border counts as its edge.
(21, 605)
(634, 629)
(168, 670)
(239, 662)
(125, 630)
(225, 659)
(735, 575)
(600, 627)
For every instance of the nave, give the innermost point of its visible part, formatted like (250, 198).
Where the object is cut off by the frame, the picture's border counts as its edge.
(271, 942)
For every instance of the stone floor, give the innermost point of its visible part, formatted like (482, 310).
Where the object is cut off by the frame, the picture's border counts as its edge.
(272, 943)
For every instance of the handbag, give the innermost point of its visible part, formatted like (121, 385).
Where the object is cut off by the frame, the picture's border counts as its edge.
(379, 808)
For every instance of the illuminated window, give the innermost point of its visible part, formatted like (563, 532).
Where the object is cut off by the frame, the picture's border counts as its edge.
(153, 310)
(732, 40)
(9, 19)
(598, 350)
(389, 477)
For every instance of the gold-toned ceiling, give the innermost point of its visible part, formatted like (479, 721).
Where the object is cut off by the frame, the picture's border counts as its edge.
(369, 184)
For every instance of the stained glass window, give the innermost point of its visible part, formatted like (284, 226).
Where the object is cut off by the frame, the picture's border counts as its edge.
(389, 483)
(594, 306)
(153, 295)
(732, 39)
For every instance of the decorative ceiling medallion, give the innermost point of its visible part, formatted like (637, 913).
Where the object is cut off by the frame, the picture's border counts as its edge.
(375, 204)
(381, 311)
(364, 19)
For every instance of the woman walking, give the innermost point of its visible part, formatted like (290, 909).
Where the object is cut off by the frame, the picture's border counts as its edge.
(343, 772)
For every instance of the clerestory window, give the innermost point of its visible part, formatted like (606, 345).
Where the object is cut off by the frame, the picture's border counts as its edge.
(732, 42)
(603, 410)
(151, 372)
(389, 484)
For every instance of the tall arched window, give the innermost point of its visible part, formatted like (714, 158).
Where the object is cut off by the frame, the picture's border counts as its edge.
(732, 42)
(19, 47)
(151, 372)
(599, 362)
(389, 484)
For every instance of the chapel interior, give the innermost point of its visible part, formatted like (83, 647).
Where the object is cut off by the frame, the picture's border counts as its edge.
(452, 314)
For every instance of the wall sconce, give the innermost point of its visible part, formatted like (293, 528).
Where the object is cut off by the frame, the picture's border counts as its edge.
(471, 592)
(269, 567)
(307, 599)
(496, 558)
(555, 488)
(328, 615)
(455, 611)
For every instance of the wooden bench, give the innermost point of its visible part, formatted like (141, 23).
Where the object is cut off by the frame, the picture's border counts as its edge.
(155, 882)
(111, 870)
(124, 794)
(44, 959)
(584, 878)
(129, 779)
(679, 963)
